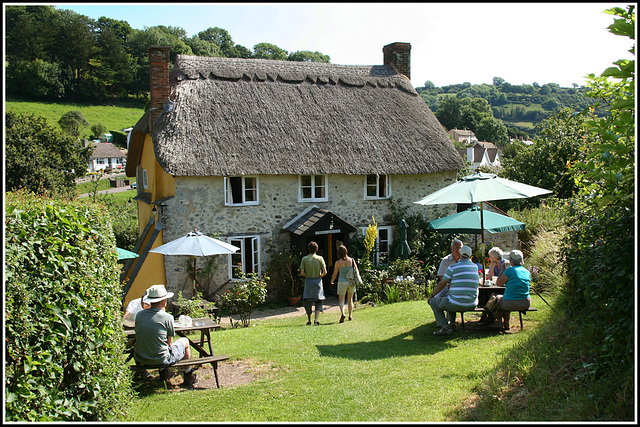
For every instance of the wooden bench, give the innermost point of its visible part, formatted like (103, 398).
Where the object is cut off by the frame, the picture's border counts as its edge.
(482, 310)
(213, 360)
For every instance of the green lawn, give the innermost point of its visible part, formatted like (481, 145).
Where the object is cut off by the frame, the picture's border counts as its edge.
(384, 366)
(113, 117)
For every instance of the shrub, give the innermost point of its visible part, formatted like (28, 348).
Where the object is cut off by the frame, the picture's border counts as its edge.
(63, 334)
(549, 216)
(283, 273)
(404, 288)
(545, 260)
(244, 297)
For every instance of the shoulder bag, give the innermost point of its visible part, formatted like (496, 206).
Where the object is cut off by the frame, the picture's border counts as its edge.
(493, 305)
(353, 276)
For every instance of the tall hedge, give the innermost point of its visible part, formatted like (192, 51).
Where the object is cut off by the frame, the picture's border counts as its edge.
(63, 334)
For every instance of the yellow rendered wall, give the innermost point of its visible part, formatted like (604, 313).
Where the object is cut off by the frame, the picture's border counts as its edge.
(160, 184)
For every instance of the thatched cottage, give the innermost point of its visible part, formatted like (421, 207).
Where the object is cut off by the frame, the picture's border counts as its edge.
(267, 155)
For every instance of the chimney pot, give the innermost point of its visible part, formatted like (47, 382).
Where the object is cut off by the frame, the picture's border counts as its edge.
(398, 55)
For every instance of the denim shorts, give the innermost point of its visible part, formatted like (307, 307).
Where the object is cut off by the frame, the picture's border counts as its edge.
(176, 353)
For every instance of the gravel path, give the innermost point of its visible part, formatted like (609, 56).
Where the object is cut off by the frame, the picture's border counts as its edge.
(330, 306)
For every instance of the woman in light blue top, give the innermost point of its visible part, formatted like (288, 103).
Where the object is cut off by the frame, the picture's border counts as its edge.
(516, 296)
(343, 265)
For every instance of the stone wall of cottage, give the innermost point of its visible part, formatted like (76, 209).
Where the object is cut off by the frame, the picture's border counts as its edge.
(199, 204)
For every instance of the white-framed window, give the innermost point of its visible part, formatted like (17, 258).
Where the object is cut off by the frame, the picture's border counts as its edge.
(247, 259)
(145, 179)
(241, 190)
(383, 243)
(377, 187)
(312, 188)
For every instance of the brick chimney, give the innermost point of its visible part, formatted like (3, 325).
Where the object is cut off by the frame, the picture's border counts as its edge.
(398, 55)
(158, 79)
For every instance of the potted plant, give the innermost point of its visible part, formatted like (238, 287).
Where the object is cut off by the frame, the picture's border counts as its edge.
(283, 269)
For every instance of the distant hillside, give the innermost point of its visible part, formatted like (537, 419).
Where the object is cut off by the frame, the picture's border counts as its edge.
(520, 107)
(115, 118)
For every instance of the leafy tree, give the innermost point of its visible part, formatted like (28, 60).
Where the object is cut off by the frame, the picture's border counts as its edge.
(98, 129)
(269, 51)
(601, 292)
(429, 85)
(72, 122)
(308, 56)
(29, 32)
(609, 169)
(449, 112)
(203, 47)
(73, 47)
(497, 81)
(240, 51)
(35, 79)
(492, 130)
(221, 38)
(546, 163)
(40, 158)
(112, 66)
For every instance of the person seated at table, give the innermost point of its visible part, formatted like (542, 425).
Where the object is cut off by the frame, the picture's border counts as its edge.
(476, 261)
(154, 337)
(450, 259)
(135, 305)
(497, 266)
(516, 280)
(457, 291)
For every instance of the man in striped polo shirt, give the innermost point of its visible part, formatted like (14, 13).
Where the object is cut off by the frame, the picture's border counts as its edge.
(457, 291)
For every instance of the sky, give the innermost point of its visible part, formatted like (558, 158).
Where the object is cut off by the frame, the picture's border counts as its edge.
(451, 43)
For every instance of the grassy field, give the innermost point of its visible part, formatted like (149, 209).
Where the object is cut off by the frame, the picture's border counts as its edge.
(113, 117)
(384, 366)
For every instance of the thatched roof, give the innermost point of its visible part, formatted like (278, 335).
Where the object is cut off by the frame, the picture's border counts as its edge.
(106, 150)
(248, 116)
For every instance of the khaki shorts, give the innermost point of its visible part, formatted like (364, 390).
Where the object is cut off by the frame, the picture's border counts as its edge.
(346, 287)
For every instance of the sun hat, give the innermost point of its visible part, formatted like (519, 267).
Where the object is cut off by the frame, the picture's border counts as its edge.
(158, 293)
(516, 257)
(465, 252)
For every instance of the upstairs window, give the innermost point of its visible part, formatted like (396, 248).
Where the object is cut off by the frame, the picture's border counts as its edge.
(241, 190)
(313, 188)
(377, 187)
(145, 179)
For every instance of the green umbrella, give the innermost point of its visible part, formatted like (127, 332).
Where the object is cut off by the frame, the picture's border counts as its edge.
(481, 187)
(125, 254)
(468, 222)
(404, 246)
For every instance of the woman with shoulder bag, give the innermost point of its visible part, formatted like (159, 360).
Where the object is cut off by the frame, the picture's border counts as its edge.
(344, 265)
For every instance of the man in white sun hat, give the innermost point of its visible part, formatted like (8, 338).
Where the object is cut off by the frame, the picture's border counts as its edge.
(459, 287)
(154, 337)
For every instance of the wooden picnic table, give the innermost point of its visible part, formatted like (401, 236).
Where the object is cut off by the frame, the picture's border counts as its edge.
(202, 324)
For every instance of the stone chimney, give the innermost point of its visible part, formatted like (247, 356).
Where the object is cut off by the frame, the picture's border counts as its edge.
(158, 79)
(398, 55)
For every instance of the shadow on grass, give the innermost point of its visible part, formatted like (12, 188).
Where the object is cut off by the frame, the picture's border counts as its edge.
(418, 341)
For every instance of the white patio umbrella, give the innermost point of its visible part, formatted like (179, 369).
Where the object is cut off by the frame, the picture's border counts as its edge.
(482, 187)
(195, 244)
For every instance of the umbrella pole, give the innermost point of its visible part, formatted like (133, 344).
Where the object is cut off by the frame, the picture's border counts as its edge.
(484, 273)
(194, 277)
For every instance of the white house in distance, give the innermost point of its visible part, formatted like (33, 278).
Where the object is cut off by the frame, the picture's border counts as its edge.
(478, 153)
(105, 154)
